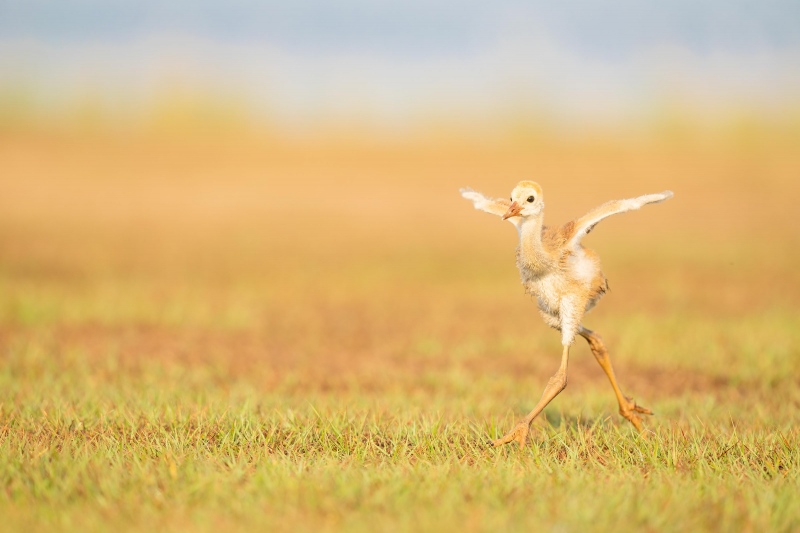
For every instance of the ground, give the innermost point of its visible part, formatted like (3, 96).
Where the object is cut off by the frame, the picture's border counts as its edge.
(253, 333)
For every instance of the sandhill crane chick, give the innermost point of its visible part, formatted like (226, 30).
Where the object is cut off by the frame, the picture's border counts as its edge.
(566, 280)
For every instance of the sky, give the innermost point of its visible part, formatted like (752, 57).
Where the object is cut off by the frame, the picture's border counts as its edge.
(394, 61)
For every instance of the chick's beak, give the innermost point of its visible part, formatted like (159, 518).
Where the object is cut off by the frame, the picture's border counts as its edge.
(513, 210)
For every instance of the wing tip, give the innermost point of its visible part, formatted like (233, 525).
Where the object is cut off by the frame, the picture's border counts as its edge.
(470, 194)
(658, 197)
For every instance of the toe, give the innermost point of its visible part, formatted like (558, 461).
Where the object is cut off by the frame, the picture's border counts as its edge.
(518, 434)
(633, 407)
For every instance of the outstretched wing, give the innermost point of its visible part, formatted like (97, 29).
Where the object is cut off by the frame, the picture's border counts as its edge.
(584, 225)
(495, 206)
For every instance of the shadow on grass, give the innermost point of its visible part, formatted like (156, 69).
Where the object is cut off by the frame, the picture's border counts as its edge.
(559, 420)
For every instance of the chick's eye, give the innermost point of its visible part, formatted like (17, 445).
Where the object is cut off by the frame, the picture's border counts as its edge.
(530, 199)
(511, 198)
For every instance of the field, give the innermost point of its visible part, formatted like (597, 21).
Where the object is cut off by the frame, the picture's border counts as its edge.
(241, 332)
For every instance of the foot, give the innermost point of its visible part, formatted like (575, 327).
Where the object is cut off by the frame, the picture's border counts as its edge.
(629, 410)
(519, 434)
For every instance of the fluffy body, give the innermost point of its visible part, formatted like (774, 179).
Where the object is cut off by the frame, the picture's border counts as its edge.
(565, 282)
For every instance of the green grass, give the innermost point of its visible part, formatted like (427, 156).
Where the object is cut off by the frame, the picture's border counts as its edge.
(88, 440)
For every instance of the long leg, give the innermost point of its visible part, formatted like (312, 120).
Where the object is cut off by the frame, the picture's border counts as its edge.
(567, 322)
(555, 385)
(627, 407)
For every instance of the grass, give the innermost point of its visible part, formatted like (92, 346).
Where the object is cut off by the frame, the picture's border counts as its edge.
(196, 454)
(237, 343)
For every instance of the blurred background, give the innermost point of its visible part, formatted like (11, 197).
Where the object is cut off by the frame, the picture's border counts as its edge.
(294, 166)
(400, 66)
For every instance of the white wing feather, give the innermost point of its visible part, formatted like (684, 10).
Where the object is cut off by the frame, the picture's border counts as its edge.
(495, 206)
(585, 224)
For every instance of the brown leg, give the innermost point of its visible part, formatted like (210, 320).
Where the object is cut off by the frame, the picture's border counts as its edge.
(627, 407)
(555, 385)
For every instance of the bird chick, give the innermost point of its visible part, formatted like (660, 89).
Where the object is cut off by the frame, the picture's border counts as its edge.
(566, 280)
